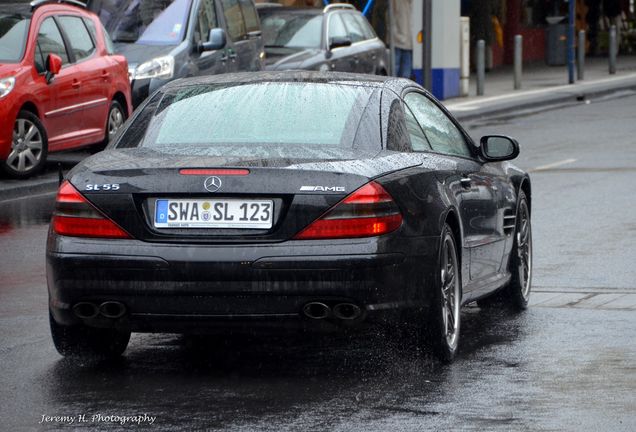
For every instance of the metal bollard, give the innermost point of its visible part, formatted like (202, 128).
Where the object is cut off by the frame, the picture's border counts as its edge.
(481, 66)
(581, 56)
(613, 50)
(518, 60)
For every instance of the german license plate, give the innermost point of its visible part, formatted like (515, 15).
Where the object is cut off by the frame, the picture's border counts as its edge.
(214, 213)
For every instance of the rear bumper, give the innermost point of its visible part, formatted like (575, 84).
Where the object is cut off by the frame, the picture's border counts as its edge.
(191, 288)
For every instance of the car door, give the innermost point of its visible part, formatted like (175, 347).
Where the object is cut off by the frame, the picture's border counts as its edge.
(360, 53)
(476, 188)
(207, 62)
(93, 75)
(58, 97)
(250, 55)
(339, 59)
(236, 33)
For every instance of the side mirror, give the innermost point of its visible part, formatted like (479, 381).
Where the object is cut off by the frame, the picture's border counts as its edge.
(216, 41)
(53, 66)
(496, 148)
(339, 42)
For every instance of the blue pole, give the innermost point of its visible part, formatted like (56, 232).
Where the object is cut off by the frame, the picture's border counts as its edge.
(571, 45)
(367, 8)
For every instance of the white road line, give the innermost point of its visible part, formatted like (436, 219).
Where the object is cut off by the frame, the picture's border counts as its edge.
(553, 165)
(475, 104)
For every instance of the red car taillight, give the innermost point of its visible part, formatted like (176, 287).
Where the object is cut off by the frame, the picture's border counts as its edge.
(369, 211)
(75, 216)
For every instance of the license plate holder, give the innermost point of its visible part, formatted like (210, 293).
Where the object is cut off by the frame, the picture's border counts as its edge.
(213, 213)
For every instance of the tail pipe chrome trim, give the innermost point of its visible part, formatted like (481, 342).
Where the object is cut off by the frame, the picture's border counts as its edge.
(85, 310)
(347, 311)
(316, 310)
(112, 309)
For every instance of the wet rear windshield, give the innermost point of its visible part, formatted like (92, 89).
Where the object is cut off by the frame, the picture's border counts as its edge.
(234, 120)
(291, 30)
(13, 34)
(150, 22)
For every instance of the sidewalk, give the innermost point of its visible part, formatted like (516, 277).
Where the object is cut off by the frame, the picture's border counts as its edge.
(541, 86)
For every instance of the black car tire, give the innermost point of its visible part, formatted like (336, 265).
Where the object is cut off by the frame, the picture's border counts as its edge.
(446, 302)
(83, 341)
(115, 120)
(26, 141)
(518, 291)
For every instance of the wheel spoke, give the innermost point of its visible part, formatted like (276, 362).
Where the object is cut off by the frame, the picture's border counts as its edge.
(30, 156)
(12, 158)
(35, 145)
(21, 162)
(30, 133)
(20, 124)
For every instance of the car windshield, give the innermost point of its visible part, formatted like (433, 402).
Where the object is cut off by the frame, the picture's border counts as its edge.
(291, 29)
(13, 36)
(149, 22)
(293, 118)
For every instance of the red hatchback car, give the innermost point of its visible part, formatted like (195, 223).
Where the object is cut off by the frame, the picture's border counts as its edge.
(61, 85)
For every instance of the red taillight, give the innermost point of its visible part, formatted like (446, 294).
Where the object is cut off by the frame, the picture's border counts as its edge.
(75, 216)
(369, 211)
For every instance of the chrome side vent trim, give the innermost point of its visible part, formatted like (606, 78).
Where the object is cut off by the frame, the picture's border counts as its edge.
(509, 222)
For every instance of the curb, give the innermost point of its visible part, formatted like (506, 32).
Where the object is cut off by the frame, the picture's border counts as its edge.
(513, 103)
(33, 187)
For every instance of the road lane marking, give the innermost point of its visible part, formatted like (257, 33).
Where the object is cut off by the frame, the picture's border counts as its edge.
(553, 165)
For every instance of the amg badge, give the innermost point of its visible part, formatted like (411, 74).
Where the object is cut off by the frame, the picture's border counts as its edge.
(322, 189)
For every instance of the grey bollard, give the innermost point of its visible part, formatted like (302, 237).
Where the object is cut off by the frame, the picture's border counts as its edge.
(518, 60)
(481, 66)
(581, 56)
(613, 50)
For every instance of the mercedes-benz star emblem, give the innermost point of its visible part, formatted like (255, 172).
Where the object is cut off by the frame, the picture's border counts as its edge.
(212, 184)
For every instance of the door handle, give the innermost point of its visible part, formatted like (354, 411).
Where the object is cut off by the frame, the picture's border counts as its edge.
(105, 75)
(232, 56)
(223, 58)
(76, 84)
(466, 182)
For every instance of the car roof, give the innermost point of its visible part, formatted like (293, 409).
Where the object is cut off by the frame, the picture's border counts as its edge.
(293, 76)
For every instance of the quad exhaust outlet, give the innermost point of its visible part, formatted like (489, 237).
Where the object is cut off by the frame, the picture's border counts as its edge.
(108, 309)
(341, 311)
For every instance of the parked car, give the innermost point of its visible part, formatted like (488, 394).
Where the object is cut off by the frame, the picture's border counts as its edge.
(323, 201)
(336, 38)
(168, 39)
(61, 85)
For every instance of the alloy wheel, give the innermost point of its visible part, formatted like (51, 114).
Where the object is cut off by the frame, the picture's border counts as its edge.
(450, 292)
(26, 147)
(524, 250)
(115, 121)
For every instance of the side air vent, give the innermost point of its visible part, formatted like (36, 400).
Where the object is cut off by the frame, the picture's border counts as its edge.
(509, 222)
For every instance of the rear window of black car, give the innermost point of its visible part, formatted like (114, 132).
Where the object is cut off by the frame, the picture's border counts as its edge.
(290, 116)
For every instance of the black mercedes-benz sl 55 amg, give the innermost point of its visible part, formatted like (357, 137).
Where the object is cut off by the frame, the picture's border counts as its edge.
(303, 200)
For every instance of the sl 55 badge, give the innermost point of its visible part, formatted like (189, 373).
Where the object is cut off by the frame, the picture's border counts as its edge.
(102, 187)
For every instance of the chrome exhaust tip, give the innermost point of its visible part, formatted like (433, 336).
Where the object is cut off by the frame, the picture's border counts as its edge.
(316, 310)
(85, 310)
(112, 309)
(347, 311)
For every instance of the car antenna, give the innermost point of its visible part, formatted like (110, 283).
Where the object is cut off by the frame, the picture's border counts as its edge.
(60, 174)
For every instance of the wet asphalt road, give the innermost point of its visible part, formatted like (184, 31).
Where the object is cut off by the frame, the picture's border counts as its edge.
(568, 363)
